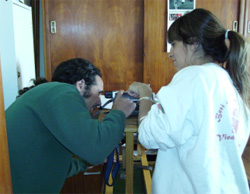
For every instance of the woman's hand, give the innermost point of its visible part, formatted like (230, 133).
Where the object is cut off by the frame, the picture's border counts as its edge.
(138, 90)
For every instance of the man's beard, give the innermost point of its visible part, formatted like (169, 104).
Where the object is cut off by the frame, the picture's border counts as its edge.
(87, 93)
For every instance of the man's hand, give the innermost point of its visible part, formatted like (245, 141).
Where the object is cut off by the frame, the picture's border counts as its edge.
(123, 104)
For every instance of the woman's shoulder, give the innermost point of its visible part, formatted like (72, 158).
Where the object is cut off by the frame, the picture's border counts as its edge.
(208, 70)
(198, 75)
(196, 69)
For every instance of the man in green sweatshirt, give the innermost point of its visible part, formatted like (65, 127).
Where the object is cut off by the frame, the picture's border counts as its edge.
(51, 122)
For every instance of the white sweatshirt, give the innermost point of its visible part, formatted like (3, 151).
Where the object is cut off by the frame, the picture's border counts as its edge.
(200, 129)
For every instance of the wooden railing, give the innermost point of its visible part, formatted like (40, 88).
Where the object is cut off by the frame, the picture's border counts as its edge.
(5, 176)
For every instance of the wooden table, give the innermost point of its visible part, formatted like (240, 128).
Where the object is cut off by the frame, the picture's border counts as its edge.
(131, 128)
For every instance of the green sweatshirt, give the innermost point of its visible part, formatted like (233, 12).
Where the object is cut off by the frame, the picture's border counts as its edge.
(46, 126)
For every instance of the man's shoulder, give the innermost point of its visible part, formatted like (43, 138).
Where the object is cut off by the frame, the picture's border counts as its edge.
(51, 90)
(56, 86)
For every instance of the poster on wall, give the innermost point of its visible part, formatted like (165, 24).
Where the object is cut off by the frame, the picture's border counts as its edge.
(177, 8)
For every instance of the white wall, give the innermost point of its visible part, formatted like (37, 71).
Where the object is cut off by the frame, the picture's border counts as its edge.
(16, 48)
(24, 44)
(7, 50)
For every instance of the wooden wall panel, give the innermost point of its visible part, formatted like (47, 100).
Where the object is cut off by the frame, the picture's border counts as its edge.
(108, 33)
(5, 176)
(226, 10)
(247, 29)
(158, 69)
(125, 39)
(247, 20)
(80, 183)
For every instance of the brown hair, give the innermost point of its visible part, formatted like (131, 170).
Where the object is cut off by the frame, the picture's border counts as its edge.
(202, 27)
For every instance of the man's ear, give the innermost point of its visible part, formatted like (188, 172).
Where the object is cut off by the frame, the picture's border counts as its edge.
(80, 85)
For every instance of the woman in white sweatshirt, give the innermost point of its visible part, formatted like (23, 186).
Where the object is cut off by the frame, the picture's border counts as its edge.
(200, 122)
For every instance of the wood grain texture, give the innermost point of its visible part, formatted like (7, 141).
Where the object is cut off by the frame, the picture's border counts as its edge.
(125, 39)
(246, 27)
(226, 10)
(158, 69)
(108, 33)
(5, 175)
(129, 164)
(80, 183)
(146, 172)
(242, 16)
(247, 22)
(246, 160)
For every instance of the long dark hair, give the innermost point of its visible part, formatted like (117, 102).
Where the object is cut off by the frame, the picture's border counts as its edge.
(202, 27)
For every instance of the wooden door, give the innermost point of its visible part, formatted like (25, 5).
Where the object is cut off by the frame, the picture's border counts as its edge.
(118, 36)
(91, 181)
(158, 68)
(247, 29)
(5, 176)
(108, 33)
(227, 11)
(247, 20)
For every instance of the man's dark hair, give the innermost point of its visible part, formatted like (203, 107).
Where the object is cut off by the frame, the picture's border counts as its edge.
(75, 70)
(70, 72)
